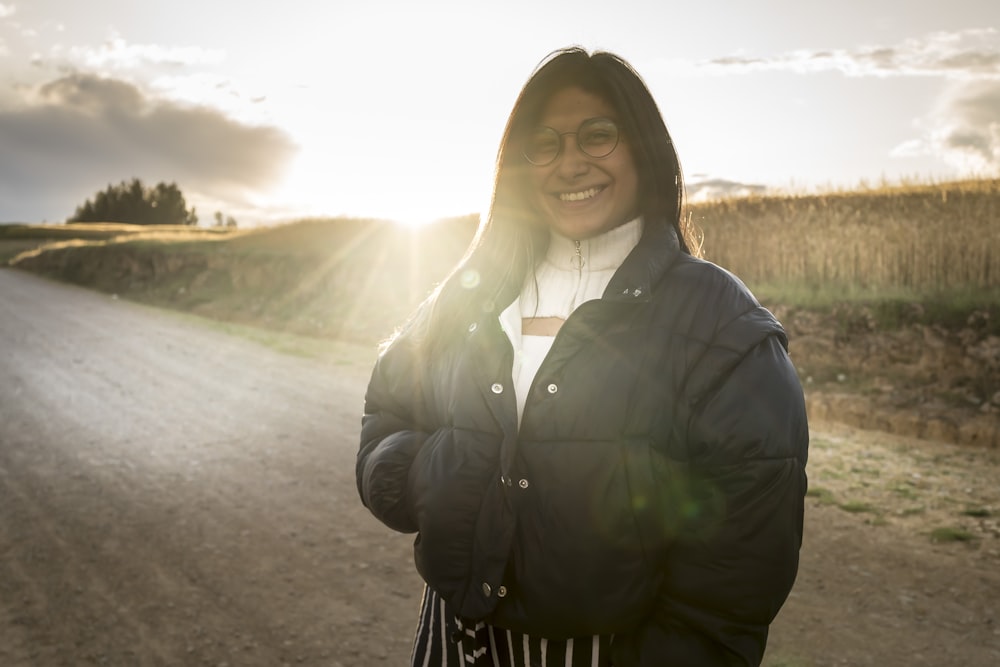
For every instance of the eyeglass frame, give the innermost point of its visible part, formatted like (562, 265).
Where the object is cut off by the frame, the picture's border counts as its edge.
(560, 135)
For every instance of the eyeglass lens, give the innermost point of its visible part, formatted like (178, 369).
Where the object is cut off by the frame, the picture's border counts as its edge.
(596, 137)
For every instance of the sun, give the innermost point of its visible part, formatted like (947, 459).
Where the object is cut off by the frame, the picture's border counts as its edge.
(309, 187)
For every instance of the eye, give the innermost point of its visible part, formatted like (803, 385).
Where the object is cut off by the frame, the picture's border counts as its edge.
(542, 145)
(598, 132)
(598, 136)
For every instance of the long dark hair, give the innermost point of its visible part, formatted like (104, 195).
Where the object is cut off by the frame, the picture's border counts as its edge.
(511, 236)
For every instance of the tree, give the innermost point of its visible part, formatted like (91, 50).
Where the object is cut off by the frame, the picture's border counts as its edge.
(133, 203)
(230, 221)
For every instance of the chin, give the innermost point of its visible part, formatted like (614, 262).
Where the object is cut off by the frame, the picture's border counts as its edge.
(581, 229)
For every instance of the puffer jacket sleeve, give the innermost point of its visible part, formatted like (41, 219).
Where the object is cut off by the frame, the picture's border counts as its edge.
(391, 435)
(731, 569)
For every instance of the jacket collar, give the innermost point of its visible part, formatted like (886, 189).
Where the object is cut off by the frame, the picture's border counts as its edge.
(657, 250)
(633, 282)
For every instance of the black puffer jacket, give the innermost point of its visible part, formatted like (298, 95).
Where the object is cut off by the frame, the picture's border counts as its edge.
(654, 489)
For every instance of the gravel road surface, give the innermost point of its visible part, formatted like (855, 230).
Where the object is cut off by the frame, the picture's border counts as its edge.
(173, 495)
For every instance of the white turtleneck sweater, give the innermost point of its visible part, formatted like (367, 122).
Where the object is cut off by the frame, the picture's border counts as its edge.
(571, 273)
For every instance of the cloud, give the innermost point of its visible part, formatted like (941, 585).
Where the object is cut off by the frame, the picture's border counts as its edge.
(72, 136)
(117, 54)
(700, 188)
(964, 130)
(964, 54)
(7, 10)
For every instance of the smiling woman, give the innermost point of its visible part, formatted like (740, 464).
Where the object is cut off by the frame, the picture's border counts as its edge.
(572, 422)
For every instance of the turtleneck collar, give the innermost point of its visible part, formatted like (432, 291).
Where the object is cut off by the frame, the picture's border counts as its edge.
(573, 272)
(603, 252)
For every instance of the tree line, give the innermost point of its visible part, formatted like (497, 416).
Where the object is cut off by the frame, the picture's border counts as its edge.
(133, 203)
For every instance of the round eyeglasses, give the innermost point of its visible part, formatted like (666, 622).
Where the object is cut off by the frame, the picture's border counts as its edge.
(595, 137)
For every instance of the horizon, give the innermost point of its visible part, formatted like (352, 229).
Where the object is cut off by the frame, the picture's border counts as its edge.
(712, 193)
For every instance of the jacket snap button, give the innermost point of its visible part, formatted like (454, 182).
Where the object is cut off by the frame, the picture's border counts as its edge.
(553, 388)
(473, 327)
(523, 484)
(486, 589)
(502, 591)
(497, 388)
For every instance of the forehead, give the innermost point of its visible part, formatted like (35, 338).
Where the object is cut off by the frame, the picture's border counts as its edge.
(569, 107)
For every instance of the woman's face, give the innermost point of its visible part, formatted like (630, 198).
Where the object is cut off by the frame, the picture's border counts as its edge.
(580, 196)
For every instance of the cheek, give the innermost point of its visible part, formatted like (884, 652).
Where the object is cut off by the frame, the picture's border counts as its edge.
(629, 177)
(535, 186)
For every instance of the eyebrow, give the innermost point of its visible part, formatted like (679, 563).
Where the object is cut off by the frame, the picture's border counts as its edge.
(585, 120)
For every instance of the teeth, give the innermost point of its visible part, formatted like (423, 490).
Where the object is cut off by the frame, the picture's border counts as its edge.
(579, 196)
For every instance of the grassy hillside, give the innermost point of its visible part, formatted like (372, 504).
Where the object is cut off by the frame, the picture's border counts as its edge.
(345, 278)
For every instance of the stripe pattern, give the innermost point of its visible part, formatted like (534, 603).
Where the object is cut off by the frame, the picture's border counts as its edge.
(443, 641)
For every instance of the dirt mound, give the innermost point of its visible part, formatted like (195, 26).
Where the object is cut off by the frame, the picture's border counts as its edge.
(917, 379)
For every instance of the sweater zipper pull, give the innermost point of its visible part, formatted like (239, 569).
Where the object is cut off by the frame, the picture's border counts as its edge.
(578, 260)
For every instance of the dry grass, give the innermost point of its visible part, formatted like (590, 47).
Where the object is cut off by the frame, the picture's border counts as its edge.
(924, 238)
(18, 240)
(942, 492)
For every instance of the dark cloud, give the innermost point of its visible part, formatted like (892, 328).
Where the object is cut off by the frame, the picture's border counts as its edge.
(973, 61)
(972, 125)
(880, 59)
(81, 132)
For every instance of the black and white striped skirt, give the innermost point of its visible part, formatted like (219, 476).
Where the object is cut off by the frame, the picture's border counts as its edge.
(442, 641)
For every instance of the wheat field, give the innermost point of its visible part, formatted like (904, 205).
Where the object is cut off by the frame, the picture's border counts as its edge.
(923, 238)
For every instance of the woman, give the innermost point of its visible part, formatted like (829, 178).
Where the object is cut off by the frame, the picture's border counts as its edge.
(598, 438)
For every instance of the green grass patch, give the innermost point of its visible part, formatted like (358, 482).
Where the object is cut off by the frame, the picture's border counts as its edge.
(978, 512)
(824, 496)
(857, 507)
(905, 491)
(951, 534)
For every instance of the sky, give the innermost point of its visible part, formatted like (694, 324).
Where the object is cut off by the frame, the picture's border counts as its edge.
(273, 111)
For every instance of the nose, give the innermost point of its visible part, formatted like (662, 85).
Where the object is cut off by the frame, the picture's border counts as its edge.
(571, 161)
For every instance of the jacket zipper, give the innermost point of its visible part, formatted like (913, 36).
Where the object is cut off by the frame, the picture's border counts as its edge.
(578, 260)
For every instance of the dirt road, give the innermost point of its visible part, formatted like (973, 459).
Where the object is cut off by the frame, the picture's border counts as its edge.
(174, 495)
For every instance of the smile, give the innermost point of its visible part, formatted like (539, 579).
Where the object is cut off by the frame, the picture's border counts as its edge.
(580, 196)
